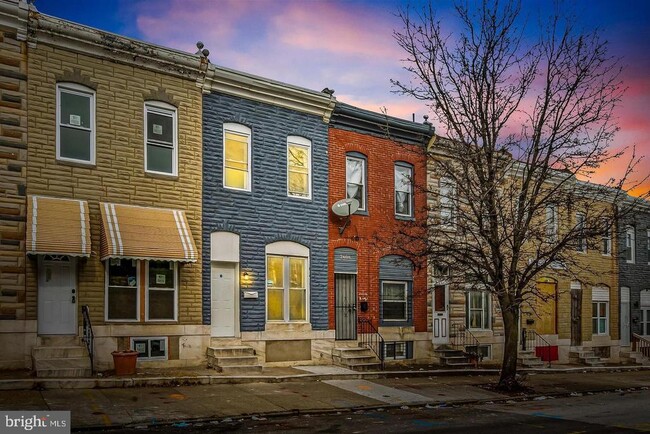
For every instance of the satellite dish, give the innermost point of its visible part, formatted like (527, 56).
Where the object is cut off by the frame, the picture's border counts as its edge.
(345, 207)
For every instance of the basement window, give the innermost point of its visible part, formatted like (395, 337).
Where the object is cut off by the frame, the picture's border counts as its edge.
(484, 351)
(150, 348)
(398, 350)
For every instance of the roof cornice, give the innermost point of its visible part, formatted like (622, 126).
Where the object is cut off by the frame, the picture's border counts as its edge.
(14, 14)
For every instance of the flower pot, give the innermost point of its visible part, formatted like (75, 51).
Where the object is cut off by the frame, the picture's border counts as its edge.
(124, 362)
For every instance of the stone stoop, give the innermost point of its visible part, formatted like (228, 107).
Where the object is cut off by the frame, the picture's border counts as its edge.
(234, 360)
(357, 358)
(61, 357)
(452, 358)
(528, 359)
(629, 357)
(585, 357)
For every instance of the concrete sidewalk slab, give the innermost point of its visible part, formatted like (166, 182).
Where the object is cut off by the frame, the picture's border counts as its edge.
(378, 392)
(437, 390)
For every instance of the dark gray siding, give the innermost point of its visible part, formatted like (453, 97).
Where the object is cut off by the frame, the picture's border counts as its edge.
(345, 260)
(265, 214)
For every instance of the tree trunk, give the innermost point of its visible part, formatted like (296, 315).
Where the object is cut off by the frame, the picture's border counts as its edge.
(508, 380)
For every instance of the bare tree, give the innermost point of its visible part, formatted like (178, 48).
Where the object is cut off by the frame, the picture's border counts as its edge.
(524, 120)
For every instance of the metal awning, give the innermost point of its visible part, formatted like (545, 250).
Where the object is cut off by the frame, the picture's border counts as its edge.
(139, 232)
(57, 226)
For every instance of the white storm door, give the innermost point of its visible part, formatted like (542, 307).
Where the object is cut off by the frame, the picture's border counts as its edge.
(441, 314)
(57, 297)
(224, 300)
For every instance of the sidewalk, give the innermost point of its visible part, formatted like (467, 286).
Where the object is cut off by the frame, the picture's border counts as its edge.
(310, 389)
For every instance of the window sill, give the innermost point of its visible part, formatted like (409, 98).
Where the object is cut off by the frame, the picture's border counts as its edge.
(302, 198)
(76, 163)
(238, 190)
(158, 175)
(361, 212)
(404, 218)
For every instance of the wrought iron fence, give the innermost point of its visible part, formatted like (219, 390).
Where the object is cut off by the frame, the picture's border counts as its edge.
(87, 336)
(533, 341)
(641, 345)
(462, 339)
(369, 337)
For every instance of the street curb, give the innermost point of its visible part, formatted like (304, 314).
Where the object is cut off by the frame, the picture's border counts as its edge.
(132, 382)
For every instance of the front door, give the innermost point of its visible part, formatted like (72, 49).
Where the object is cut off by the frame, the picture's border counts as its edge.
(625, 317)
(57, 296)
(346, 306)
(576, 317)
(223, 279)
(545, 311)
(440, 314)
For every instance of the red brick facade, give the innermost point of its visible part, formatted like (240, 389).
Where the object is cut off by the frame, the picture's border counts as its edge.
(363, 232)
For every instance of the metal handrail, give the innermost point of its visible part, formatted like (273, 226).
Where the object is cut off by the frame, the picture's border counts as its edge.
(640, 344)
(370, 337)
(88, 336)
(461, 338)
(532, 340)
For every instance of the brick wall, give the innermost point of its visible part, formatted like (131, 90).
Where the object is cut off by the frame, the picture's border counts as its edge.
(380, 222)
(13, 158)
(118, 175)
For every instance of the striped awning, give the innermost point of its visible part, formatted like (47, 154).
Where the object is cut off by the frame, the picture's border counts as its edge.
(57, 226)
(145, 233)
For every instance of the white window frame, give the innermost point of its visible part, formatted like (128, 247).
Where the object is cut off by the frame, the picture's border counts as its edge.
(606, 246)
(174, 289)
(304, 143)
(84, 91)
(598, 317)
(136, 288)
(486, 310)
(581, 222)
(630, 243)
(406, 301)
(447, 202)
(364, 205)
(148, 339)
(287, 250)
(163, 109)
(409, 192)
(551, 223)
(242, 130)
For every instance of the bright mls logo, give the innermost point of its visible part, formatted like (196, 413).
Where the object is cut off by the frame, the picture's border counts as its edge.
(35, 421)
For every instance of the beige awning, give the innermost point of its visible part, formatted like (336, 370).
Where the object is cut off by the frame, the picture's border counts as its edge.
(57, 226)
(145, 233)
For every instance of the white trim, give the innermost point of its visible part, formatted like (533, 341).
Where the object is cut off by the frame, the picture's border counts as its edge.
(304, 143)
(364, 181)
(82, 219)
(486, 308)
(136, 288)
(79, 90)
(149, 339)
(287, 250)
(34, 222)
(147, 289)
(163, 109)
(411, 197)
(406, 301)
(631, 232)
(109, 223)
(245, 131)
(181, 233)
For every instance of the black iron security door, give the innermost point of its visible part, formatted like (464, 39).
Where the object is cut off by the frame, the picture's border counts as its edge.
(346, 306)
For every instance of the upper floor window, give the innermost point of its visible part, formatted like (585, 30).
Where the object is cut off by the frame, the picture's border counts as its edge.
(298, 167)
(630, 248)
(355, 178)
(75, 132)
(606, 248)
(236, 157)
(403, 190)
(551, 223)
(581, 240)
(447, 202)
(160, 138)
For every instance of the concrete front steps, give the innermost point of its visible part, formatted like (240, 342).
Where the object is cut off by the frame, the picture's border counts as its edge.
(61, 357)
(629, 357)
(528, 359)
(585, 356)
(234, 360)
(357, 358)
(453, 358)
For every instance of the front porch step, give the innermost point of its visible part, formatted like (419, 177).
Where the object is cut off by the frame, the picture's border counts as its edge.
(528, 359)
(60, 357)
(234, 360)
(585, 357)
(453, 358)
(629, 357)
(357, 358)
(75, 367)
(58, 352)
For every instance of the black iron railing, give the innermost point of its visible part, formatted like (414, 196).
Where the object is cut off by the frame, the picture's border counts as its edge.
(640, 344)
(533, 341)
(462, 339)
(369, 337)
(87, 335)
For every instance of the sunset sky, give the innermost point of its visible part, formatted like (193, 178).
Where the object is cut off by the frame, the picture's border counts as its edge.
(348, 46)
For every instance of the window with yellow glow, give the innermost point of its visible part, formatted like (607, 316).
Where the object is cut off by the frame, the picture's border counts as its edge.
(286, 279)
(236, 158)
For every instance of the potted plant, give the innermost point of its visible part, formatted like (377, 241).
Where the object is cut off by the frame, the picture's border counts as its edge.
(125, 361)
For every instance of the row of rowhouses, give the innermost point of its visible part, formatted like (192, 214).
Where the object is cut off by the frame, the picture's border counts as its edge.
(185, 210)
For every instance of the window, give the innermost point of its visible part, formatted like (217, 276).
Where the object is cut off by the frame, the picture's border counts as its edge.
(482, 351)
(355, 178)
(606, 247)
(160, 138)
(236, 157)
(447, 202)
(478, 310)
(599, 317)
(398, 350)
(150, 348)
(394, 301)
(403, 190)
(162, 284)
(287, 282)
(630, 245)
(122, 302)
(298, 167)
(645, 312)
(581, 241)
(551, 223)
(75, 132)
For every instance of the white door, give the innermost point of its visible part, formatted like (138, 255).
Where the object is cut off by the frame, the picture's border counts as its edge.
(57, 296)
(625, 317)
(224, 299)
(441, 314)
